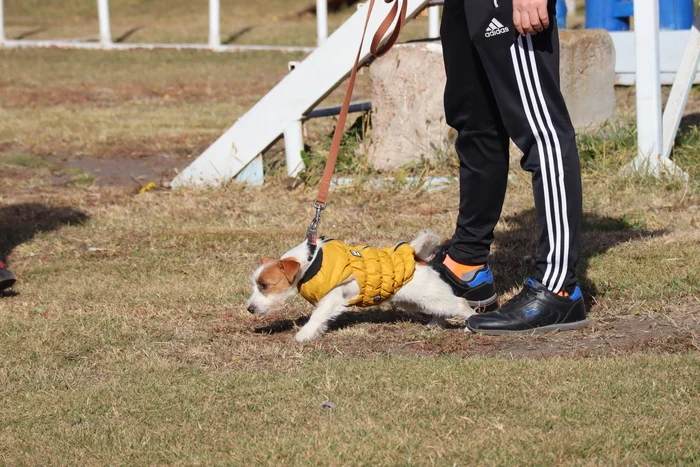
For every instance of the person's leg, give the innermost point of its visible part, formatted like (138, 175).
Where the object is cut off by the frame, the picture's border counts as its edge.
(482, 147)
(482, 142)
(524, 75)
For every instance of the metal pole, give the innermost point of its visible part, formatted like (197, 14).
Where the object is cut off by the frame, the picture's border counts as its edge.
(681, 88)
(649, 127)
(2, 23)
(103, 13)
(214, 22)
(570, 8)
(293, 145)
(321, 21)
(434, 22)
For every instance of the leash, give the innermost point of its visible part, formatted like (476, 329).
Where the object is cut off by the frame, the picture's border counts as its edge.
(377, 49)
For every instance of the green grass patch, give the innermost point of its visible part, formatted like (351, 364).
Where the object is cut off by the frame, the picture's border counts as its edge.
(106, 404)
(28, 161)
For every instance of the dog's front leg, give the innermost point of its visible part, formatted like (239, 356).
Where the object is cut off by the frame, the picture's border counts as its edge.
(327, 309)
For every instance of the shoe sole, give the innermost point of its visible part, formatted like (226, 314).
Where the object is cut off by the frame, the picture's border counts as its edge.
(482, 306)
(540, 330)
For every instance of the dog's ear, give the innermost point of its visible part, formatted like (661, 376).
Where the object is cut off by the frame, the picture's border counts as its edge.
(290, 268)
(266, 259)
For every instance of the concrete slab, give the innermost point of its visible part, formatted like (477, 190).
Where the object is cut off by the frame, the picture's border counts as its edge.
(408, 121)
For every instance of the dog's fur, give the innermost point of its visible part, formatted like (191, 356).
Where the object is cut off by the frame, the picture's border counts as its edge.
(276, 280)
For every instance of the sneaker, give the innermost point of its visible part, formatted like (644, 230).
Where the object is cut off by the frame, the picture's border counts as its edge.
(477, 286)
(7, 279)
(534, 310)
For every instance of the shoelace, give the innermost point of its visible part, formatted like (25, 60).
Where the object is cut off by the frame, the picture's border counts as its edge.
(514, 303)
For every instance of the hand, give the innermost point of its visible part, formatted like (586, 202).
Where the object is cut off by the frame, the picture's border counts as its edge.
(530, 16)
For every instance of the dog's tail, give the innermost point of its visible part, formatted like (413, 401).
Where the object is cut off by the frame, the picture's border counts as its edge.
(425, 245)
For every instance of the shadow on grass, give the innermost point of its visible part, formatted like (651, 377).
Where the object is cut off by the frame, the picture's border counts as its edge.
(688, 122)
(19, 223)
(513, 259)
(354, 317)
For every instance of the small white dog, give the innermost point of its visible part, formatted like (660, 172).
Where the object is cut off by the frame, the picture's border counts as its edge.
(334, 276)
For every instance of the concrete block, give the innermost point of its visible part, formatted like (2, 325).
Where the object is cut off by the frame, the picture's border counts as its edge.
(408, 120)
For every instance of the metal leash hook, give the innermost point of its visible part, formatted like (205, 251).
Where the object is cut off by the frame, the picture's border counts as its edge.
(312, 231)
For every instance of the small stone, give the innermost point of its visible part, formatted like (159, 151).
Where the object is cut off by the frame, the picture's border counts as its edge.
(327, 405)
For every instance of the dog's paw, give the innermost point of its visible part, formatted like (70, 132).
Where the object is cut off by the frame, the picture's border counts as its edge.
(304, 336)
(438, 322)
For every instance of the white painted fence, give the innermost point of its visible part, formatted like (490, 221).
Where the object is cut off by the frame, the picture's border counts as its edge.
(214, 24)
(105, 37)
(638, 60)
(651, 158)
(2, 23)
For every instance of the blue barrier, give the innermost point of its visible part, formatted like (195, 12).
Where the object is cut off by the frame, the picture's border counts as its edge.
(676, 14)
(614, 15)
(561, 14)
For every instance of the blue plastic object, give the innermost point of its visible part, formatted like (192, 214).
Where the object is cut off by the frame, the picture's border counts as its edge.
(676, 14)
(614, 15)
(561, 14)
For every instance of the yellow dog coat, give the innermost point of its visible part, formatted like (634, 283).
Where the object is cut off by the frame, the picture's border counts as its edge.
(380, 273)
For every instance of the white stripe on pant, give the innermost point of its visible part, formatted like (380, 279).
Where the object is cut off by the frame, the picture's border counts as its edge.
(557, 258)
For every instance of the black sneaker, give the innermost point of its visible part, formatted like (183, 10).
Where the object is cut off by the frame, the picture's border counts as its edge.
(477, 286)
(534, 310)
(7, 279)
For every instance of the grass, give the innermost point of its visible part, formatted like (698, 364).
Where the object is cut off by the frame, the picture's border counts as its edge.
(458, 412)
(126, 340)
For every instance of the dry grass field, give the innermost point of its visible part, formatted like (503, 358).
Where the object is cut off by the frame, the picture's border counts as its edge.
(126, 339)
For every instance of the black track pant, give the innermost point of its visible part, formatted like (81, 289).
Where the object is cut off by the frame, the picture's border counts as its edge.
(502, 85)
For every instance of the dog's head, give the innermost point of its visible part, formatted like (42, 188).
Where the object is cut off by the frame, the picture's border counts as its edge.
(274, 281)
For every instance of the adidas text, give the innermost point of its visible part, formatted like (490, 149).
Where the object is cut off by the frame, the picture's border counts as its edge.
(495, 28)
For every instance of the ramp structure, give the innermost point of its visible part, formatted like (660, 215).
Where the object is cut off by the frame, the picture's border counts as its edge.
(236, 154)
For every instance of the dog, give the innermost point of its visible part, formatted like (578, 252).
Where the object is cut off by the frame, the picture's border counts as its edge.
(333, 277)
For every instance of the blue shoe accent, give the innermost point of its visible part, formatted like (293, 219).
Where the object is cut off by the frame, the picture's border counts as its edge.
(483, 276)
(531, 282)
(577, 294)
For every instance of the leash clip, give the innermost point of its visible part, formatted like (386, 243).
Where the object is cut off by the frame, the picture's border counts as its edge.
(312, 231)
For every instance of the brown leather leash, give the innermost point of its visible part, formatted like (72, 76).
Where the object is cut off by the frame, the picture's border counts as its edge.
(377, 49)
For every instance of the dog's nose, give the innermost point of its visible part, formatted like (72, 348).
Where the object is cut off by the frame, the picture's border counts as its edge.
(251, 309)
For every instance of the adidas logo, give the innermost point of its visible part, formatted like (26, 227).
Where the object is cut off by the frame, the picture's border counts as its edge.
(495, 28)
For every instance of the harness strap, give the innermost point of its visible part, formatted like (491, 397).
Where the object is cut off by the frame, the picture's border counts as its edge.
(313, 268)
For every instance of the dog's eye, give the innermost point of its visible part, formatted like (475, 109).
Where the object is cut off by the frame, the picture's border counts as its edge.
(262, 285)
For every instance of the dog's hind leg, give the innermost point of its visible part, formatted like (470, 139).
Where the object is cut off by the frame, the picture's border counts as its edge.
(430, 294)
(330, 307)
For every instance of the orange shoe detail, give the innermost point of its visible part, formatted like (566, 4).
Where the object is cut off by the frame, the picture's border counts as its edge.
(459, 269)
(563, 293)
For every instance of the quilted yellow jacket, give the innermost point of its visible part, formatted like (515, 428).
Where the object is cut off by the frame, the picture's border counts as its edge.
(380, 273)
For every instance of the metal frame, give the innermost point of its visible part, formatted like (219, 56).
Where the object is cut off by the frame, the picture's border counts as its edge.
(214, 43)
(281, 110)
(651, 158)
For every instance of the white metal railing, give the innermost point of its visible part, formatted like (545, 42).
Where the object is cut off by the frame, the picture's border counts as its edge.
(105, 38)
(321, 21)
(214, 24)
(2, 23)
(652, 158)
(103, 14)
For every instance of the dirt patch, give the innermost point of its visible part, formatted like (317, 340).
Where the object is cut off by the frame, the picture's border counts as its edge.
(127, 171)
(395, 333)
(79, 96)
